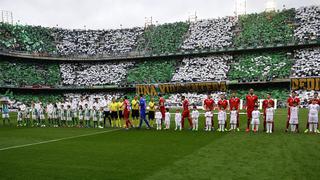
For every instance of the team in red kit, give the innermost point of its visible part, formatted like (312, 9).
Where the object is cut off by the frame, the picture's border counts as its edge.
(251, 108)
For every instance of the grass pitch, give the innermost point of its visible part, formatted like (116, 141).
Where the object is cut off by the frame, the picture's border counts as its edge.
(73, 153)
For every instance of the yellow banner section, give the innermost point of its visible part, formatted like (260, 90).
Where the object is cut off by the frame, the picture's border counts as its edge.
(312, 83)
(154, 90)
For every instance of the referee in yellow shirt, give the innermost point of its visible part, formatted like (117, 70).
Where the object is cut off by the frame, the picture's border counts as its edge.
(114, 112)
(135, 111)
(120, 111)
(152, 108)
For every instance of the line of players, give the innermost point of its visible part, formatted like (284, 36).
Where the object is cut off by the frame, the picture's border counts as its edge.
(86, 114)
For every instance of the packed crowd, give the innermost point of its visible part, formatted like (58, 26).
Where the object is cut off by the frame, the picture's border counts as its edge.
(308, 23)
(260, 66)
(210, 68)
(245, 67)
(20, 73)
(307, 62)
(152, 71)
(265, 28)
(90, 74)
(166, 38)
(96, 42)
(30, 39)
(210, 34)
(257, 29)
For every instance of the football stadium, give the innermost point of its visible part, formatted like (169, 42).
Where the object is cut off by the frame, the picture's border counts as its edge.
(229, 97)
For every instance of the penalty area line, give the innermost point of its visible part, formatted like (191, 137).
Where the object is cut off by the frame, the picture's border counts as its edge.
(55, 140)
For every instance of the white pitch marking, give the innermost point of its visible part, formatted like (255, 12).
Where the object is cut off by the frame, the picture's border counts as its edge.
(55, 140)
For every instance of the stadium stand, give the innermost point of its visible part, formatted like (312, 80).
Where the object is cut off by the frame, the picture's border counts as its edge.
(258, 29)
(210, 68)
(307, 62)
(99, 73)
(18, 98)
(265, 28)
(210, 33)
(92, 96)
(155, 71)
(96, 42)
(31, 39)
(22, 73)
(308, 23)
(166, 38)
(260, 66)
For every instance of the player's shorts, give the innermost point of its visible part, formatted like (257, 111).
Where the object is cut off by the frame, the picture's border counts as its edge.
(87, 118)
(69, 119)
(233, 120)
(249, 113)
(5, 115)
(269, 119)
(293, 121)
(208, 121)
(186, 113)
(42, 117)
(167, 121)
(195, 120)
(50, 115)
(255, 121)
(34, 117)
(114, 115)
(221, 122)
(106, 114)
(151, 115)
(126, 114)
(94, 119)
(158, 121)
(135, 114)
(101, 119)
(313, 119)
(81, 118)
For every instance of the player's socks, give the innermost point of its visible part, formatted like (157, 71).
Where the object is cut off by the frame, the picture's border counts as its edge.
(310, 127)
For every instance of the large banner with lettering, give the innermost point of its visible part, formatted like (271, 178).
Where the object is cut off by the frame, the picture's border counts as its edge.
(154, 90)
(310, 83)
